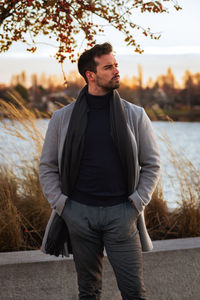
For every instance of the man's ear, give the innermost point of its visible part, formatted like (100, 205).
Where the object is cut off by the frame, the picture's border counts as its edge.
(89, 75)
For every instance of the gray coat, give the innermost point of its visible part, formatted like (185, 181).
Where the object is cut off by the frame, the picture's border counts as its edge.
(147, 164)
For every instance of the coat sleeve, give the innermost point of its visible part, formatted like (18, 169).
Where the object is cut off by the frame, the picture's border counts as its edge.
(149, 160)
(48, 168)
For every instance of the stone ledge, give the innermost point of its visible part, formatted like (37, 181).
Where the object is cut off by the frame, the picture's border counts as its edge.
(176, 244)
(32, 256)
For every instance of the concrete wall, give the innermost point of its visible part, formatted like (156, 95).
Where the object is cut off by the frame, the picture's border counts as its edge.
(171, 272)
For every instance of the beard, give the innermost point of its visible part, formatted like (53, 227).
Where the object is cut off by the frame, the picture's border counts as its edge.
(108, 86)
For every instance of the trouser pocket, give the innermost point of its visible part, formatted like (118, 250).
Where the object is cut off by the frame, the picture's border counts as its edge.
(132, 211)
(66, 208)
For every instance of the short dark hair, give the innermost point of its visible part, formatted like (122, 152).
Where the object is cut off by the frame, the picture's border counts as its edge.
(86, 61)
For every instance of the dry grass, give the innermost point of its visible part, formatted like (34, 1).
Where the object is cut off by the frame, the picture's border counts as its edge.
(24, 211)
(187, 214)
(184, 220)
(11, 235)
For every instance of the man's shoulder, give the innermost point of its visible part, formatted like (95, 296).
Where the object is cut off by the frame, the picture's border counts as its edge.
(132, 108)
(65, 109)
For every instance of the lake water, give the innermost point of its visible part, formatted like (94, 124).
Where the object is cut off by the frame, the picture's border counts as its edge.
(183, 136)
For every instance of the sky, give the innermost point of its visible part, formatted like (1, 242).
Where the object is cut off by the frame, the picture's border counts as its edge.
(178, 47)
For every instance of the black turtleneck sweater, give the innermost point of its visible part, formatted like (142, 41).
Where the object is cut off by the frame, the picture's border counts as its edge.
(100, 181)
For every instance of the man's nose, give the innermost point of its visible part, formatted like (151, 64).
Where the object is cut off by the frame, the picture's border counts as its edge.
(116, 71)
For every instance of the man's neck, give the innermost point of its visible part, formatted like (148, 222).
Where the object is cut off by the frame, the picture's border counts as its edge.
(96, 91)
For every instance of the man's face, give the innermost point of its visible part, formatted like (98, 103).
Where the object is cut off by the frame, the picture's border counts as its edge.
(107, 75)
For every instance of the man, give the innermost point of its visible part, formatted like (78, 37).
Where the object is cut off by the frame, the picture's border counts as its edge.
(90, 174)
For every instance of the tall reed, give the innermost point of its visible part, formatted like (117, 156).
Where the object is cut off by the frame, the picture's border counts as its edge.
(185, 218)
(23, 209)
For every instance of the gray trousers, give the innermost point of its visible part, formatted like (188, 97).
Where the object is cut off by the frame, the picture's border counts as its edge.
(93, 227)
